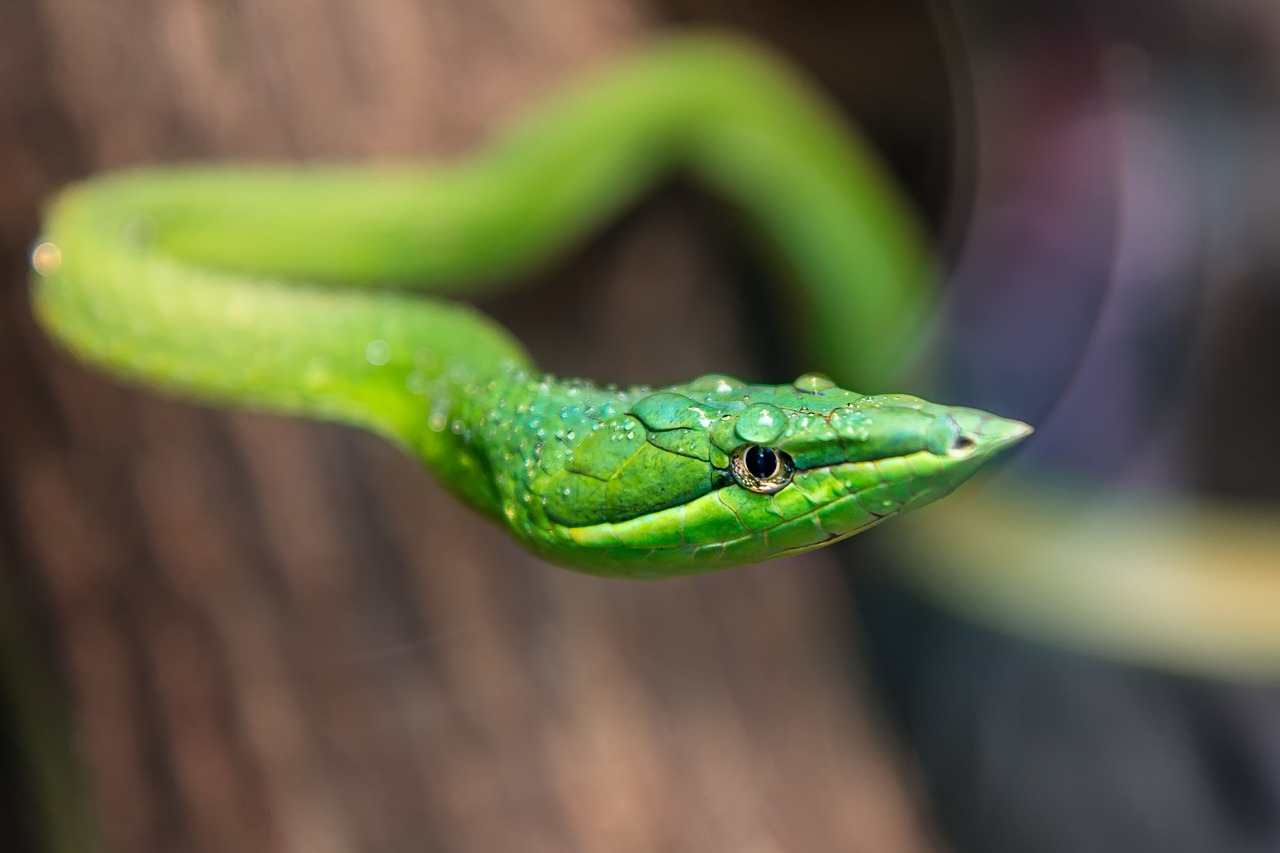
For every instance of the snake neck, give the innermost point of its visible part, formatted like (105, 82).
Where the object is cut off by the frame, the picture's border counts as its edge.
(509, 431)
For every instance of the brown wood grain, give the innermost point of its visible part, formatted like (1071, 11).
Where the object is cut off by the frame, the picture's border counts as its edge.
(281, 636)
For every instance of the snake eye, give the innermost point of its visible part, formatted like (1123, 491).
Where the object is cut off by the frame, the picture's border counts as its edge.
(761, 469)
(762, 463)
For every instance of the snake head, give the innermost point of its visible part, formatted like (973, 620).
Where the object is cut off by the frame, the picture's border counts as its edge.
(716, 473)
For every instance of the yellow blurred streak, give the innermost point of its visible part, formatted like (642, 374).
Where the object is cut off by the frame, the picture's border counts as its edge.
(1178, 585)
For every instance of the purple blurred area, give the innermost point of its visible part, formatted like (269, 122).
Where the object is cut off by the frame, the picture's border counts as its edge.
(1115, 278)
(1114, 283)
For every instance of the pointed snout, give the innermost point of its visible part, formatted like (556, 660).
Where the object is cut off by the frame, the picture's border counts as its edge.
(998, 433)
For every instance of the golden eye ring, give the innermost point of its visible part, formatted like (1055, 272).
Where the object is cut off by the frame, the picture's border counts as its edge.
(762, 470)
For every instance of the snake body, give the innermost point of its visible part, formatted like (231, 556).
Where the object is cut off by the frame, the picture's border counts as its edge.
(288, 289)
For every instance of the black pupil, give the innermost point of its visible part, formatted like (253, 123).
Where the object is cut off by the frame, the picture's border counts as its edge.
(762, 462)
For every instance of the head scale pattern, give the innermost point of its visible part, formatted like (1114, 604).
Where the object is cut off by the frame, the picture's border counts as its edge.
(715, 472)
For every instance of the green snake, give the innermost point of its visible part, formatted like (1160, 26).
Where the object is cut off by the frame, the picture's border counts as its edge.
(301, 291)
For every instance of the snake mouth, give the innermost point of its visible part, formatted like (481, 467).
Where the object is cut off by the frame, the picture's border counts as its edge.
(729, 525)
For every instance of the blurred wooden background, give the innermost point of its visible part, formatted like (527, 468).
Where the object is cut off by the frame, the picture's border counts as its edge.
(268, 635)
